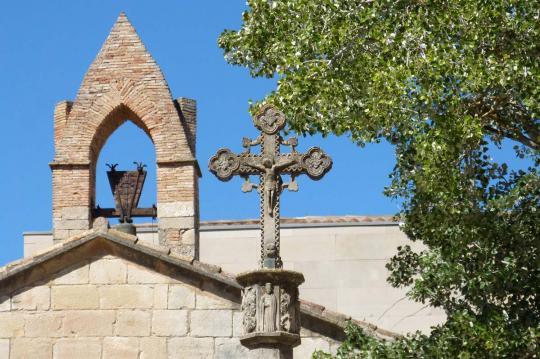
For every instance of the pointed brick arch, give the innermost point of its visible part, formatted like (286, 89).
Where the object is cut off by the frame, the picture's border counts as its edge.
(124, 82)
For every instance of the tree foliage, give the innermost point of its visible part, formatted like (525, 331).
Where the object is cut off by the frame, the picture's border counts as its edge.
(444, 82)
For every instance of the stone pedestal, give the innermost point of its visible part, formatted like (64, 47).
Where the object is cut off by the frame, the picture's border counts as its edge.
(271, 311)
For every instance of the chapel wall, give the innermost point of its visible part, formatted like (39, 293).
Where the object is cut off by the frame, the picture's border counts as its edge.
(344, 267)
(107, 307)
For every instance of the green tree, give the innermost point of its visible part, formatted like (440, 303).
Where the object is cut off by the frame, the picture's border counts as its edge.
(444, 82)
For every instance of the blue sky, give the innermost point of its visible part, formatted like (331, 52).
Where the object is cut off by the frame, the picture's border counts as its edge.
(45, 50)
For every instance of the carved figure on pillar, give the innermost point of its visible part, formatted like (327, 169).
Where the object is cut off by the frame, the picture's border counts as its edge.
(266, 321)
(270, 165)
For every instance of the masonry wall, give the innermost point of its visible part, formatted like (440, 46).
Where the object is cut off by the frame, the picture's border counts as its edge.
(125, 83)
(108, 307)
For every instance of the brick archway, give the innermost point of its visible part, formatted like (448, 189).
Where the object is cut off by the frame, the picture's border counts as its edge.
(124, 82)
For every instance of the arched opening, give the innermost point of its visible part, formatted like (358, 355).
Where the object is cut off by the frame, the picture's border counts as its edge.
(123, 139)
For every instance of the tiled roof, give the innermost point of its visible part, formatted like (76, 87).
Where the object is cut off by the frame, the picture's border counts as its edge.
(309, 220)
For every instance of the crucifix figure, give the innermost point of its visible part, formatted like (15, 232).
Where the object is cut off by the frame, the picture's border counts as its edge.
(269, 165)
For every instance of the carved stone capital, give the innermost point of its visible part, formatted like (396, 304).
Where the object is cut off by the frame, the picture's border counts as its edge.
(270, 306)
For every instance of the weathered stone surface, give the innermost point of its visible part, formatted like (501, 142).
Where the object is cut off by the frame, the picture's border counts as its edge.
(72, 224)
(181, 297)
(89, 323)
(80, 212)
(202, 348)
(238, 328)
(161, 293)
(11, 325)
(132, 323)
(153, 348)
(126, 296)
(4, 348)
(138, 275)
(35, 348)
(80, 348)
(228, 348)
(108, 271)
(75, 297)
(73, 276)
(120, 348)
(175, 209)
(36, 298)
(207, 300)
(177, 222)
(211, 323)
(101, 224)
(169, 322)
(44, 324)
(189, 237)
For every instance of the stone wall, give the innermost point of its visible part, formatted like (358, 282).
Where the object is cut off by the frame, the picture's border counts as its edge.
(344, 266)
(108, 307)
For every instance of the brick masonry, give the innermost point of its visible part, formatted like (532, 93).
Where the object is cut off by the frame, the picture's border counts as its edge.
(125, 83)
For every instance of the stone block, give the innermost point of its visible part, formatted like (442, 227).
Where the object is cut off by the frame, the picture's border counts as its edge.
(4, 348)
(36, 298)
(73, 276)
(161, 292)
(138, 275)
(44, 324)
(180, 297)
(188, 237)
(153, 348)
(120, 348)
(227, 348)
(88, 323)
(5, 303)
(211, 323)
(132, 323)
(108, 271)
(176, 222)
(80, 348)
(72, 224)
(169, 323)
(126, 296)
(75, 297)
(206, 300)
(80, 212)
(11, 324)
(201, 348)
(175, 209)
(238, 327)
(35, 348)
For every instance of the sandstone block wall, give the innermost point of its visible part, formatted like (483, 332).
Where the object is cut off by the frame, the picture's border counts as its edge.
(107, 307)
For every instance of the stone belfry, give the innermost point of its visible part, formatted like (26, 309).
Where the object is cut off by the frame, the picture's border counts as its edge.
(125, 83)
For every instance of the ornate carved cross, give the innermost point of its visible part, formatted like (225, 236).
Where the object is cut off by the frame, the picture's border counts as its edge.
(269, 165)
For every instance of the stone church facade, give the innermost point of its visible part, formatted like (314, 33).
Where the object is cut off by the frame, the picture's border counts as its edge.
(95, 292)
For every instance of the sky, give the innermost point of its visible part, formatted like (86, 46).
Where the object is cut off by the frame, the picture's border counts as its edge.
(46, 48)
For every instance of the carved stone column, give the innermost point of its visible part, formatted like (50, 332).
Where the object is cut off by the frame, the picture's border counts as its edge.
(271, 309)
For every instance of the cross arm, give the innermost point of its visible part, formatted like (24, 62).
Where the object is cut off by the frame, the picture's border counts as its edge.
(315, 163)
(225, 164)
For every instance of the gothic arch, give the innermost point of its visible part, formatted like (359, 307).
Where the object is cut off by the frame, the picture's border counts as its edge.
(124, 82)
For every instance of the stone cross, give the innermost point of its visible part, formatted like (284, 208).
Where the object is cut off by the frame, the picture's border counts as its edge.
(269, 165)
